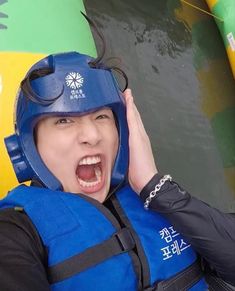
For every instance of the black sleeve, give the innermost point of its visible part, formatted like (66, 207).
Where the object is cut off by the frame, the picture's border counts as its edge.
(23, 258)
(210, 232)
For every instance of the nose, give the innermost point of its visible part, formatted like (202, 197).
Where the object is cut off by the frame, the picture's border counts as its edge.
(88, 133)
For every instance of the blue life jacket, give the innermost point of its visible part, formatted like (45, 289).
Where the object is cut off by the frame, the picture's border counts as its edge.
(90, 248)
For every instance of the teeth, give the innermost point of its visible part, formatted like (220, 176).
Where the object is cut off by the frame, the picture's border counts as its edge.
(98, 173)
(88, 184)
(90, 160)
(93, 183)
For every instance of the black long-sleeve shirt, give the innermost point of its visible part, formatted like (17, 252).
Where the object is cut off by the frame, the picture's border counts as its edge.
(210, 231)
(23, 258)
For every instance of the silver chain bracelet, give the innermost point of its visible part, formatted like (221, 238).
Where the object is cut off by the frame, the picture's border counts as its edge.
(156, 189)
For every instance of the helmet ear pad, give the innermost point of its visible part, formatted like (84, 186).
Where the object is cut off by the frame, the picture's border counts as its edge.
(97, 88)
(20, 163)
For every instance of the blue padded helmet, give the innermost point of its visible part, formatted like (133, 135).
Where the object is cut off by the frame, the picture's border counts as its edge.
(80, 89)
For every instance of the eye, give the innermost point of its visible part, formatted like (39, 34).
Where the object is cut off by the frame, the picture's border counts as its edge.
(63, 120)
(102, 116)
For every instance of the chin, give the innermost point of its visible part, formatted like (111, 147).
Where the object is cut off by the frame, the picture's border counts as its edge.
(99, 196)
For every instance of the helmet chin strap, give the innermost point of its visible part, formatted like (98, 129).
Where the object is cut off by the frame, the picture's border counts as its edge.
(36, 183)
(116, 188)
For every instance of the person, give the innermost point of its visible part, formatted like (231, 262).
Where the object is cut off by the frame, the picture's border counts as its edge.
(90, 218)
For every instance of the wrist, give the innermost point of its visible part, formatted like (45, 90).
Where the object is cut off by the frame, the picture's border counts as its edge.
(156, 190)
(150, 186)
(144, 193)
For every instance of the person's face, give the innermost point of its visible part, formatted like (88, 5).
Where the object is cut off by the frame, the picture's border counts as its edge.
(80, 151)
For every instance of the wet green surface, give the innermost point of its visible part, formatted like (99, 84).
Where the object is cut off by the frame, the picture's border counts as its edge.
(17, 33)
(180, 76)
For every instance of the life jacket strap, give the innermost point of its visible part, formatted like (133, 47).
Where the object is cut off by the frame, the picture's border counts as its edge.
(182, 281)
(217, 283)
(120, 242)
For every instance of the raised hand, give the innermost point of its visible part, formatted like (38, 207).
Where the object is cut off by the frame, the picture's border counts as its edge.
(142, 165)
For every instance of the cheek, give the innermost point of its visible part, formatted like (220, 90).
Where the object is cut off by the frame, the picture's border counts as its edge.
(114, 141)
(47, 151)
(51, 147)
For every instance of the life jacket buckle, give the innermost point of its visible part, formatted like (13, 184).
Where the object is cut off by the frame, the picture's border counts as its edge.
(157, 287)
(125, 239)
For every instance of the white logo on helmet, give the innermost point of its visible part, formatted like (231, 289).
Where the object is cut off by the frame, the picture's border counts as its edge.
(74, 80)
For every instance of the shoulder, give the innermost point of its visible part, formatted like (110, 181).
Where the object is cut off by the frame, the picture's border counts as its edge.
(15, 218)
(18, 233)
(23, 258)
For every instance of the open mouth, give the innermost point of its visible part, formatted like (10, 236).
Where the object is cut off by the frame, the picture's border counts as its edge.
(89, 172)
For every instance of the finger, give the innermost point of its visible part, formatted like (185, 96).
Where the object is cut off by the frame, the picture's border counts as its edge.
(138, 119)
(136, 126)
(134, 119)
(131, 114)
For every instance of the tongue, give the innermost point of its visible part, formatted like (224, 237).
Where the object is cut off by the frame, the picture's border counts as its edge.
(86, 172)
